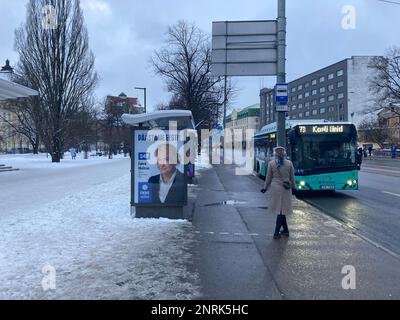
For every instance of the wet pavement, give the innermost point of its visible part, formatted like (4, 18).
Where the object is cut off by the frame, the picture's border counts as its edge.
(237, 258)
(373, 210)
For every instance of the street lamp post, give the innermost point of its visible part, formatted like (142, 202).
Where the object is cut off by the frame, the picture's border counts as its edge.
(144, 89)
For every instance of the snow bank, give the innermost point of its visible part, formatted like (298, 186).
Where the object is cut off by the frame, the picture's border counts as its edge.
(97, 250)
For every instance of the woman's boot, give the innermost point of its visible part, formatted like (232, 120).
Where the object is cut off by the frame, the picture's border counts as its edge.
(279, 221)
(285, 231)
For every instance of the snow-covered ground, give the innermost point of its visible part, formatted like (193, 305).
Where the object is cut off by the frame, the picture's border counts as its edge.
(42, 160)
(87, 235)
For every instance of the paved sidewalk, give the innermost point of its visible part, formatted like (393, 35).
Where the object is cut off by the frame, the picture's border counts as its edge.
(238, 259)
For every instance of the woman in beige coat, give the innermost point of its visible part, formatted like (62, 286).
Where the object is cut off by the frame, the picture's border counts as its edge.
(280, 172)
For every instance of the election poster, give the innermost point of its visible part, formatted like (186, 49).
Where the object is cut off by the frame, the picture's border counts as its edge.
(159, 172)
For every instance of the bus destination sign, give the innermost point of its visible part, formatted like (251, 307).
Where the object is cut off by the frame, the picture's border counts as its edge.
(322, 129)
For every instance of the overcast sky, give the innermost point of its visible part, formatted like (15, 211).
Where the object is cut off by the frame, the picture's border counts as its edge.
(125, 33)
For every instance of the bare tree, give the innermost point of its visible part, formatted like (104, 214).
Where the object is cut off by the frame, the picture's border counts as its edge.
(372, 131)
(55, 59)
(185, 63)
(81, 126)
(386, 82)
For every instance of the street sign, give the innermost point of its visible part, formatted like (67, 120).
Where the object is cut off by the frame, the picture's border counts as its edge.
(282, 108)
(244, 48)
(281, 93)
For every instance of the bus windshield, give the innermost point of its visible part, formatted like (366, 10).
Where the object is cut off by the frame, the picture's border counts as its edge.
(324, 153)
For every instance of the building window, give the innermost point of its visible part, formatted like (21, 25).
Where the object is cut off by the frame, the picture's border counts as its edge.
(331, 87)
(307, 94)
(322, 79)
(314, 102)
(293, 98)
(307, 113)
(300, 115)
(300, 87)
(341, 117)
(331, 109)
(314, 112)
(300, 96)
(322, 110)
(294, 89)
(314, 92)
(314, 82)
(339, 73)
(307, 84)
(341, 106)
(340, 95)
(300, 106)
(321, 100)
(330, 76)
(322, 90)
(307, 104)
(340, 84)
(294, 107)
(331, 97)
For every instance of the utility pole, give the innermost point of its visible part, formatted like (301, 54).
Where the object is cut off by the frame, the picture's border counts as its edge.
(281, 72)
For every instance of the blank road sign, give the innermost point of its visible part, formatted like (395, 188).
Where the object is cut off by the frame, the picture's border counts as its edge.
(244, 69)
(244, 55)
(244, 28)
(244, 48)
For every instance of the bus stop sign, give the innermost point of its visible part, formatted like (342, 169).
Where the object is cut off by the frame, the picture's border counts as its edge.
(281, 93)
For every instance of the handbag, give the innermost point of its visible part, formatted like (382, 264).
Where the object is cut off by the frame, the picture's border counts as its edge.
(286, 184)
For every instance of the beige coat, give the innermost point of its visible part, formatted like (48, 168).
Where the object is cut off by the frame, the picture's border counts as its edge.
(280, 199)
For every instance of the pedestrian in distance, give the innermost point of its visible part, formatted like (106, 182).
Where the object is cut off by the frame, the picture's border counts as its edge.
(359, 157)
(279, 181)
(394, 151)
(370, 151)
(72, 151)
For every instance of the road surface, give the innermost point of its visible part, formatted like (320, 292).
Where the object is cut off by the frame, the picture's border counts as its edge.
(373, 210)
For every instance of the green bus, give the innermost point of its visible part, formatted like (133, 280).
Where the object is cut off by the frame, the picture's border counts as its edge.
(323, 153)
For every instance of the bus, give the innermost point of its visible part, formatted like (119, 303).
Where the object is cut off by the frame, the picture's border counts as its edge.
(323, 153)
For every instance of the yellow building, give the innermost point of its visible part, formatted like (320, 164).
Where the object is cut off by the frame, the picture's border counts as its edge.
(10, 141)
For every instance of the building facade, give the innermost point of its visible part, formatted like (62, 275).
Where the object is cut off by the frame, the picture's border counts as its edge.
(389, 120)
(10, 141)
(339, 92)
(243, 119)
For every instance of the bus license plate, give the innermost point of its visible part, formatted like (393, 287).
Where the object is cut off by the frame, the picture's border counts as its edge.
(327, 187)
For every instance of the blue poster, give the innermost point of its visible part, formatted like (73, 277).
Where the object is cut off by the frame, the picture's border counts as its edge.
(145, 192)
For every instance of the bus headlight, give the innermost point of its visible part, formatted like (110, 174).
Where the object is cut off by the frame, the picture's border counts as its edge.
(302, 183)
(350, 182)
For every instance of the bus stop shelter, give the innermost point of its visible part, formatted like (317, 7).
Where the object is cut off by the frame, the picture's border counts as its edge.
(162, 163)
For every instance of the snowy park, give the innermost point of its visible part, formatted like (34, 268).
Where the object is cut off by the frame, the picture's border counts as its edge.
(66, 233)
